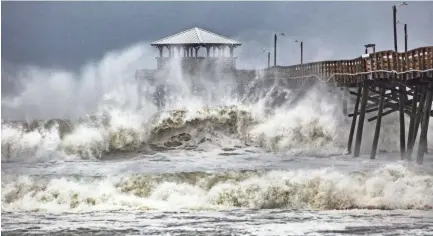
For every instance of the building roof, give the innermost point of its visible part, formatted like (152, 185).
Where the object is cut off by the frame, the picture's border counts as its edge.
(196, 36)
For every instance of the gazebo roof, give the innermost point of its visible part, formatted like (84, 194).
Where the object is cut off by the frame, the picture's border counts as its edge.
(196, 36)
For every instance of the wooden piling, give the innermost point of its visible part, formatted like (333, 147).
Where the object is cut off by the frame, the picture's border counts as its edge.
(345, 97)
(355, 114)
(419, 114)
(402, 127)
(378, 124)
(410, 135)
(424, 129)
(361, 118)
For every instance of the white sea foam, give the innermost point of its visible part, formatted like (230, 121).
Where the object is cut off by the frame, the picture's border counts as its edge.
(310, 127)
(390, 187)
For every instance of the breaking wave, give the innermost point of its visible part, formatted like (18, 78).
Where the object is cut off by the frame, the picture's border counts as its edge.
(102, 135)
(175, 110)
(120, 116)
(313, 126)
(390, 187)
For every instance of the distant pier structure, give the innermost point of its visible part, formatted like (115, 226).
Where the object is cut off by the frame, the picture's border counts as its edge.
(198, 53)
(197, 48)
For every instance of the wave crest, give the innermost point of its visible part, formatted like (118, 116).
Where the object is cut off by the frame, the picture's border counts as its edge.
(99, 136)
(389, 187)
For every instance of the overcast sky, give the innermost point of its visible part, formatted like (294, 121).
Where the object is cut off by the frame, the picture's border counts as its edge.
(69, 34)
(78, 52)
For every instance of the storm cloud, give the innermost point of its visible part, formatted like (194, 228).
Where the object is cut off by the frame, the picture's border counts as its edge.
(69, 34)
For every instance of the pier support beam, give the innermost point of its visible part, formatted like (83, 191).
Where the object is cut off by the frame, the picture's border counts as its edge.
(355, 114)
(378, 124)
(419, 114)
(401, 102)
(361, 118)
(424, 128)
(410, 136)
(345, 97)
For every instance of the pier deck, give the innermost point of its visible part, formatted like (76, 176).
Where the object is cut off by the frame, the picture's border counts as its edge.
(385, 65)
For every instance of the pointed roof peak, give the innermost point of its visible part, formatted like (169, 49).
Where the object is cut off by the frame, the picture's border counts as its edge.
(196, 36)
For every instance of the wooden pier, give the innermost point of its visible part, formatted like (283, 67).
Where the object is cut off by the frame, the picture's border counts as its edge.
(382, 82)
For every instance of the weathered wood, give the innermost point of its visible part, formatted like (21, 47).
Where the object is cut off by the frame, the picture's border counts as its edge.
(366, 111)
(423, 136)
(389, 97)
(352, 127)
(419, 112)
(383, 114)
(361, 119)
(410, 136)
(382, 66)
(378, 124)
(373, 109)
(402, 126)
(345, 97)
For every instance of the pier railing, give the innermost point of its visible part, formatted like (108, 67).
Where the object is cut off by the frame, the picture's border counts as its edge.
(380, 65)
(389, 65)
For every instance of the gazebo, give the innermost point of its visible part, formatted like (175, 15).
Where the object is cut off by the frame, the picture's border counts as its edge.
(186, 45)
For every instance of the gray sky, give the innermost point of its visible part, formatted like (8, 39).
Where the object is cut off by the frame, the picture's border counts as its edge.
(69, 34)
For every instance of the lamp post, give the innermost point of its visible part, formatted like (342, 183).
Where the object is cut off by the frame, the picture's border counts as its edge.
(405, 35)
(269, 56)
(372, 62)
(302, 49)
(275, 47)
(269, 59)
(394, 16)
(402, 96)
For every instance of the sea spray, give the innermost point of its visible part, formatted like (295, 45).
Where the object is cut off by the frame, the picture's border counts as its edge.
(302, 129)
(125, 132)
(97, 111)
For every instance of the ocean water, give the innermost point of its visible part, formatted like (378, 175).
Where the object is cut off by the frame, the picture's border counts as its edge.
(197, 156)
(251, 193)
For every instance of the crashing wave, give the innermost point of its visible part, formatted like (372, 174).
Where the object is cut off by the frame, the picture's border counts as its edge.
(390, 187)
(98, 136)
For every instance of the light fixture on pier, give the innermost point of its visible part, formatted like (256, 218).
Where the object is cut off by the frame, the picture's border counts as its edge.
(275, 46)
(269, 55)
(401, 95)
(302, 49)
(405, 34)
(394, 15)
(370, 45)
